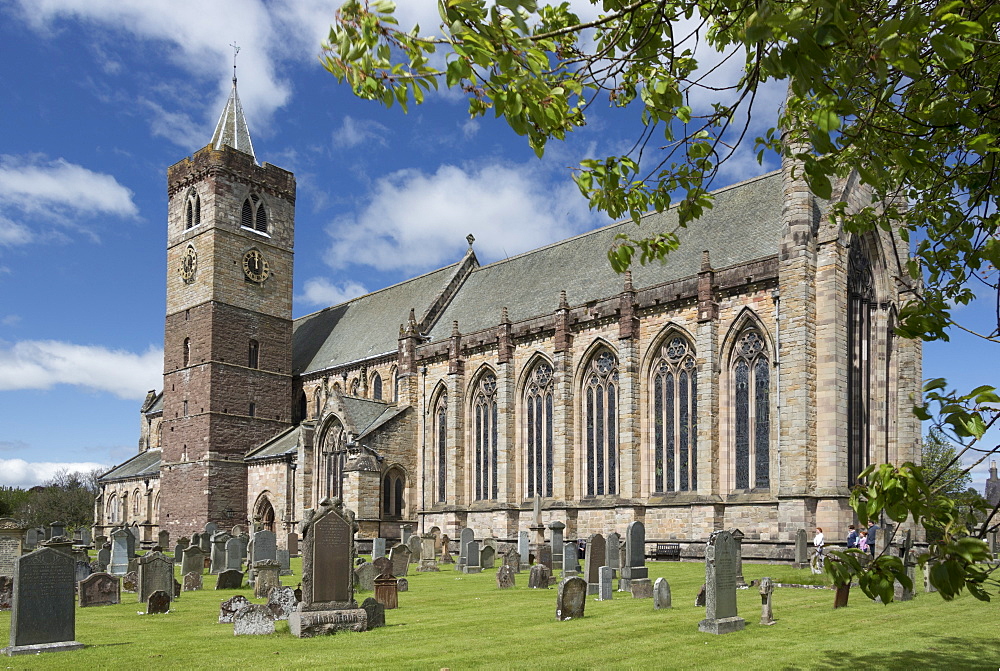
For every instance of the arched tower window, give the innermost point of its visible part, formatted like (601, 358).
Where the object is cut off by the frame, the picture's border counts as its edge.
(135, 503)
(861, 306)
(192, 210)
(333, 454)
(393, 485)
(377, 387)
(538, 426)
(674, 421)
(253, 354)
(254, 214)
(113, 510)
(484, 426)
(600, 415)
(751, 376)
(440, 443)
(187, 352)
(317, 402)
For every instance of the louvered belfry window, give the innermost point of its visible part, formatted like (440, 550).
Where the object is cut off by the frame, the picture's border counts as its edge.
(254, 214)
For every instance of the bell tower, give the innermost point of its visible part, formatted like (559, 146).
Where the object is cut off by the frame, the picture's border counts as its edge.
(227, 362)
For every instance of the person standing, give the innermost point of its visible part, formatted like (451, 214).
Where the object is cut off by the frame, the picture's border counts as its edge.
(818, 541)
(852, 537)
(873, 528)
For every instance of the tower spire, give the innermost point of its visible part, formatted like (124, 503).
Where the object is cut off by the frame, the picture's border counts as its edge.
(232, 128)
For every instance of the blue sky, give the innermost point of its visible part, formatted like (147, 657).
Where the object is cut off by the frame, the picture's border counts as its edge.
(101, 96)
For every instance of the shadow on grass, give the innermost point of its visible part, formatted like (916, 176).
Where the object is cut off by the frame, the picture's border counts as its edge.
(938, 652)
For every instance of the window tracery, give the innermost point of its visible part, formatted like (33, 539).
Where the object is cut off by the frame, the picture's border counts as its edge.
(751, 375)
(538, 425)
(861, 305)
(675, 413)
(485, 413)
(601, 424)
(441, 445)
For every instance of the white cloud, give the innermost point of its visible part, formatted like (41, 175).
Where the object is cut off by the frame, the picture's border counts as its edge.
(414, 220)
(25, 474)
(10, 320)
(42, 364)
(13, 233)
(353, 132)
(320, 291)
(470, 128)
(34, 184)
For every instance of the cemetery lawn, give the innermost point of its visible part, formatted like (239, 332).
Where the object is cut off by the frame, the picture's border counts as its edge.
(457, 621)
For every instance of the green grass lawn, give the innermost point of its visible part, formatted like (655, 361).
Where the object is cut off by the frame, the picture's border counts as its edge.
(456, 621)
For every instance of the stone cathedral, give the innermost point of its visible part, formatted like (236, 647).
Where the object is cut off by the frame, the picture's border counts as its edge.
(744, 383)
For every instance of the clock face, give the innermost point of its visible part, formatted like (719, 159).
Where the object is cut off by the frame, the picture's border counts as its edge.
(189, 264)
(255, 266)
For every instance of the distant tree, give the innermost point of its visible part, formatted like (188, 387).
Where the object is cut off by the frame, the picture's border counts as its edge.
(67, 497)
(11, 499)
(939, 459)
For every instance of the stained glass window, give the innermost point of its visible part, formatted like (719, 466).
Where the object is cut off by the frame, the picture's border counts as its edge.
(377, 387)
(484, 409)
(601, 420)
(860, 306)
(441, 439)
(538, 412)
(674, 435)
(751, 376)
(334, 453)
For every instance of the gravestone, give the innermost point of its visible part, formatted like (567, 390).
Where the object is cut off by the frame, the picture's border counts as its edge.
(473, 555)
(766, 591)
(131, 541)
(544, 555)
(505, 577)
(378, 548)
(244, 539)
(130, 582)
(119, 552)
(606, 576)
(720, 586)
(265, 577)
(85, 536)
(539, 577)
(841, 596)
(556, 529)
(282, 602)
(156, 572)
(158, 602)
(43, 615)
(6, 592)
(634, 569)
(593, 561)
(196, 539)
(210, 528)
(99, 589)
(11, 533)
(400, 558)
(446, 557)
(387, 591)
(428, 554)
(661, 594)
(524, 548)
(192, 582)
(928, 587)
(284, 561)
(218, 555)
(641, 589)
(328, 604)
(30, 539)
(900, 592)
(464, 539)
(402, 585)
(612, 552)
(487, 557)
(177, 589)
(104, 557)
(193, 560)
(264, 544)
(253, 620)
(234, 555)
(365, 577)
(405, 531)
(229, 608)
(57, 529)
(230, 579)
(571, 599)
(801, 549)
(383, 567)
(413, 542)
(738, 537)
(571, 559)
(163, 539)
(292, 544)
(511, 558)
(82, 570)
(375, 612)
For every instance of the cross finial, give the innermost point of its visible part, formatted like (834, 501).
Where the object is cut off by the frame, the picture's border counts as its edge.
(236, 50)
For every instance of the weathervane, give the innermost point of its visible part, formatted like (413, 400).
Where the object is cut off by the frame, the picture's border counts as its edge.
(236, 50)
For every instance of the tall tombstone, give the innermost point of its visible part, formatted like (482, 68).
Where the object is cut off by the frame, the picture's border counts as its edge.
(592, 562)
(292, 544)
(487, 557)
(556, 543)
(801, 549)
(378, 548)
(524, 548)
(400, 558)
(244, 539)
(193, 560)
(606, 575)
(467, 535)
(43, 613)
(85, 536)
(720, 586)
(571, 559)
(31, 539)
(132, 538)
(265, 546)
(11, 535)
(473, 558)
(204, 541)
(365, 575)
(612, 552)
(328, 604)
(414, 543)
(219, 540)
(104, 557)
(234, 555)
(163, 539)
(196, 539)
(635, 556)
(119, 552)
(265, 577)
(284, 561)
(428, 554)
(405, 531)
(156, 572)
(738, 537)
(571, 599)
(82, 570)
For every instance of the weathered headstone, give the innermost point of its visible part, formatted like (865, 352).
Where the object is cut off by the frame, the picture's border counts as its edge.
(234, 555)
(661, 594)
(928, 587)
(556, 529)
(210, 528)
(766, 591)
(99, 589)
(405, 531)
(467, 535)
(57, 529)
(524, 548)
(446, 557)
(612, 552)
(487, 557)
(192, 581)
(82, 570)
(402, 585)
(375, 612)
(512, 558)
(163, 539)
(842, 595)
(383, 567)
(505, 577)
(901, 592)
(130, 582)
(641, 589)
(265, 577)
(593, 561)
(606, 576)
(31, 539)
(253, 620)
(720, 580)
(6, 592)
(229, 608)
(738, 538)
(544, 555)
(801, 549)
(156, 573)
(218, 555)
(328, 604)
(193, 560)
(400, 558)
(572, 598)
(473, 555)
(231, 579)
(196, 539)
(43, 616)
(158, 602)
(571, 559)
(282, 602)
(119, 552)
(428, 554)
(264, 547)
(386, 591)
(284, 561)
(365, 577)
(378, 548)
(413, 542)
(539, 577)
(11, 534)
(292, 544)
(635, 556)
(104, 557)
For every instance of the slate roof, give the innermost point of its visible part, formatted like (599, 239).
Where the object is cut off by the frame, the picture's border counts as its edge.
(368, 416)
(157, 406)
(282, 444)
(744, 224)
(362, 327)
(144, 464)
(232, 127)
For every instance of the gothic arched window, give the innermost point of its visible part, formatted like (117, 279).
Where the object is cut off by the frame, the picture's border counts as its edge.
(484, 426)
(861, 306)
(393, 485)
(538, 424)
(601, 424)
(440, 438)
(113, 510)
(192, 211)
(135, 503)
(334, 454)
(675, 435)
(751, 376)
(377, 387)
(317, 402)
(253, 354)
(254, 215)
(187, 351)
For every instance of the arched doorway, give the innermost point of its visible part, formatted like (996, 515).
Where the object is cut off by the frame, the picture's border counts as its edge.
(264, 513)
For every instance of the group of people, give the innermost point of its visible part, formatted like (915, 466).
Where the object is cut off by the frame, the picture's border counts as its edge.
(863, 540)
